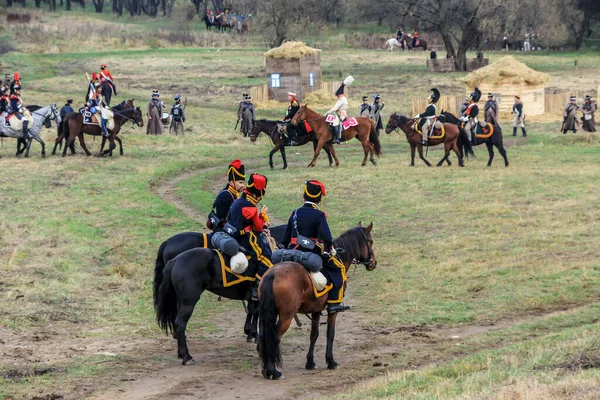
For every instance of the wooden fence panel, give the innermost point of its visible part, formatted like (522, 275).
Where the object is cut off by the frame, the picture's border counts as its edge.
(331, 87)
(445, 103)
(555, 103)
(260, 94)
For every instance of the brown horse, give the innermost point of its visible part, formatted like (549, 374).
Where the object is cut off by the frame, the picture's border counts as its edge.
(73, 126)
(420, 42)
(287, 289)
(453, 138)
(364, 132)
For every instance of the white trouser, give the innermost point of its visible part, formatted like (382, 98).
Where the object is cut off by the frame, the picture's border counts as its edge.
(519, 121)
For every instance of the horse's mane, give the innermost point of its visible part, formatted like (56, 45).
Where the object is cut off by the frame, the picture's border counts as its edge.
(351, 241)
(33, 108)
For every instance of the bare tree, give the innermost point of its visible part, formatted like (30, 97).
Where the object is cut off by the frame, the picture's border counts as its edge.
(277, 18)
(98, 5)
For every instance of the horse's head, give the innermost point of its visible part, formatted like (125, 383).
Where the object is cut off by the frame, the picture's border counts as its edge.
(54, 114)
(356, 247)
(394, 122)
(300, 115)
(368, 256)
(137, 116)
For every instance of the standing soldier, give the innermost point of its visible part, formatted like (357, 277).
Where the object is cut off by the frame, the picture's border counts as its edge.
(464, 106)
(340, 109)
(248, 223)
(588, 109)
(423, 121)
(490, 112)
(376, 108)
(106, 76)
(178, 115)
(570, 122)
(364, 110)
(155, 106)
(66, 109)
(471, 114)
(519, 119)
(247, 114)
(309, 223)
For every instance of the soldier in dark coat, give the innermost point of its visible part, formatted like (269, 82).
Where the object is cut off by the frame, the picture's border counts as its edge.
(424, 120)
(519, 119)
(247, 114)
(155, 107)
(491, 110)
(249, 222)
(6, 82)
(570, 122)
(364, 110)
(471, 114)
(236, 177)
(178, 116)
(66, 109)
(376, 108)
(588, 109)
(311, 222)
(292, 130)
(464, 106)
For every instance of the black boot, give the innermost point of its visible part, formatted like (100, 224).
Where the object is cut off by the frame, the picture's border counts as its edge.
(334, 308)
(26, 134)
(255, 290)
(524, 132)
(336, 134)
(574, 131)
(514, 131)
(565, 132)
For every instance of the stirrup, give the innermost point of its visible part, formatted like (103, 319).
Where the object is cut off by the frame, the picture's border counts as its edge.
(335, 308)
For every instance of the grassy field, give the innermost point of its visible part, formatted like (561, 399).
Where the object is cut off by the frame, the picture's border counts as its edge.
(459, 250)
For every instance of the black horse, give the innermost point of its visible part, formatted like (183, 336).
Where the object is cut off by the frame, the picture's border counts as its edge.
(185, 241)
(271, 128)
(494, 140)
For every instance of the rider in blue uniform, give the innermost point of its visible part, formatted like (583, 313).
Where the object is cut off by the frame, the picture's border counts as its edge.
(236, 179)
(249, 222)
(311, 222)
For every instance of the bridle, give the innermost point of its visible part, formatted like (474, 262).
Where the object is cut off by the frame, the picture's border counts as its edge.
(134, 120)
(299, 119)
(369, 262)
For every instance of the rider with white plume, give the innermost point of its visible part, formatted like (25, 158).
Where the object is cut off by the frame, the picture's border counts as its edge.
(340, 109)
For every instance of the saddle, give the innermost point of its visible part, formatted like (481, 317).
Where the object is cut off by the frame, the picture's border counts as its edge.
(229, 277)
(484, 133)
(94, 119)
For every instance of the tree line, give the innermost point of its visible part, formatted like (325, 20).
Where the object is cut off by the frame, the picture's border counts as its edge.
(462, 25)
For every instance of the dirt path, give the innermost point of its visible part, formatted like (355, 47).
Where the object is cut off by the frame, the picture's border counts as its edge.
(228, 368)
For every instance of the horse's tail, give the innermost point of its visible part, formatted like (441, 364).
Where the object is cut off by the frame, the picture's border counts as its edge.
(464, 143)
(159, 268)
(268, 340)
(166, 301)
(373, 138)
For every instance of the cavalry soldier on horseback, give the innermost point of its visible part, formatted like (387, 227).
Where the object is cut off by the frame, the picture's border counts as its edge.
(249, 222)
(178, 114)
(364, 110)
(308, 230)
(247, 114)
(292, 131)
(471, 113)
(376, 108)
(570, 122)
(236, 175)
(106, 76)
(491, 110)
(400, 37)
(91, 89)
(415, 37)
(519, 119)
(98, 107)
(19, 111)
(340, 110)
(423, 122)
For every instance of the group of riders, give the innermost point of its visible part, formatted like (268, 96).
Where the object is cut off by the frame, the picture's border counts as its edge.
(226, 19)
(236, 212)
(12, 108)
(414, 38)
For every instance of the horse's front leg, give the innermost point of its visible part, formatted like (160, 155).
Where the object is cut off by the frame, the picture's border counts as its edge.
(446, 154)
(412, 155)
(40, 141)
(28, 147)
(282, 150)
(314, 335)
(490, 148)
(320, 145)
(273, 150)
(81, 137)
(420, 149)
(118, 139)
(331, 364)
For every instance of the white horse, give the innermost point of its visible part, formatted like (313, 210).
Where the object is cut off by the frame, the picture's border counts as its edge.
(393, 42)
(41, 116)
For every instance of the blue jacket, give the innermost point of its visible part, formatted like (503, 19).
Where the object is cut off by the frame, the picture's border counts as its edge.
(312, 223)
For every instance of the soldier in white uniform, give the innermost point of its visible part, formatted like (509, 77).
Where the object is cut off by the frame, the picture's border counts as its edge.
(340, 109)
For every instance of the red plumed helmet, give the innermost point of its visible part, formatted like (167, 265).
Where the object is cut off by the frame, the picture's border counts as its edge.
(16, 75)
(94, 76)
(257, 184)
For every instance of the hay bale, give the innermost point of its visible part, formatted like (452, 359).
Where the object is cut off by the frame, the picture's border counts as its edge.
(505, 70)
(319, 98)
(292, 50)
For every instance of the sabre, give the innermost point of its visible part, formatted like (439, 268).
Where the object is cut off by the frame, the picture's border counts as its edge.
(236, 124)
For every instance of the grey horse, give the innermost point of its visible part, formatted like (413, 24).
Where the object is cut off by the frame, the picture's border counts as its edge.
(41, 116)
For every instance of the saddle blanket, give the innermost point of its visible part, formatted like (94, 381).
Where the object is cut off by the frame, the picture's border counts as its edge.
(93, 119)
(16, 124)
(484, 133)
(229, 277)
(330, 118)
(349, 122)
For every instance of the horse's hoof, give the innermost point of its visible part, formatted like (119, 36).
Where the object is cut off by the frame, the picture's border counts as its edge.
(275, 375)
(333, 365)
(310, 366)
(363, 164)
(285, 167)
(188, 362)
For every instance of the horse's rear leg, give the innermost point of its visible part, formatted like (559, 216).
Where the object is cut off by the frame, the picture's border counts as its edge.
(184, 313)
(118, 139)
(329, 145)
(331, 364)
(366, 151)
(320, 145)
(490, 148)
(446, 154)
(503, 152)
(461, 162)
(326, 148)
(81, 137)
(412, 155)
(314, 335)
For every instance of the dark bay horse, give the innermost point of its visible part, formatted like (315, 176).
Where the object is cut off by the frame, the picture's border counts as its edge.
(364, 132)
(74, 126)
(287, 289)
(454, 137)
(495, 139)
(420, 42)
(182, 242)
(279, 142)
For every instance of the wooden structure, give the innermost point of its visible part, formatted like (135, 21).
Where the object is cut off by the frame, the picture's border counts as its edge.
(260, 94)
(441, 65)
(507, 78)
(292, 67)
(445, 103)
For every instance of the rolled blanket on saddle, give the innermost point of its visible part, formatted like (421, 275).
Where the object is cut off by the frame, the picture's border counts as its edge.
(311, 261)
